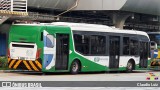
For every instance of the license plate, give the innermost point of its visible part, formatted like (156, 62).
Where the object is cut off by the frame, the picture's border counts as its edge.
(22, 58)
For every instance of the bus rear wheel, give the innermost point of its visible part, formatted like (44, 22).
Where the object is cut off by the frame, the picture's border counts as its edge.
(75, 67)
(129, 67)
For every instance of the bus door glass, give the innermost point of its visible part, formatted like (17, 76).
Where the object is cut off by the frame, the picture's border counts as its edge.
(49, 50)
(143, 54)
(62, 51)
(114, 51)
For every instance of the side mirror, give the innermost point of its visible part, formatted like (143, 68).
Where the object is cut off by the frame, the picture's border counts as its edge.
(153, 45)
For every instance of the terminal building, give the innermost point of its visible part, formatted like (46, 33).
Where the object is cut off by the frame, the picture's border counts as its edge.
(140, 15)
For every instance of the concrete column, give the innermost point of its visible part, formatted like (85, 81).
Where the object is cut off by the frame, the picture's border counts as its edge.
(119, 19)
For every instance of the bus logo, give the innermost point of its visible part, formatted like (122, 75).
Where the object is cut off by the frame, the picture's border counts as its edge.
(96, 59)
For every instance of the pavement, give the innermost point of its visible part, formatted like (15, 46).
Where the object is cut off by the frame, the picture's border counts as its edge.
(140, 75)
(96, 76)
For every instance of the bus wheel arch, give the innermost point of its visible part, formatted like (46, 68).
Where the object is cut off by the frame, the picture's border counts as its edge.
(130, 65)
(75, 67)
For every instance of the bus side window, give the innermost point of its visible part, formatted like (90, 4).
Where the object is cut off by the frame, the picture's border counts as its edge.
(98, 45)
(41, 36)
(126, 46)
(81, 43)
(50, 41)
(133, 47)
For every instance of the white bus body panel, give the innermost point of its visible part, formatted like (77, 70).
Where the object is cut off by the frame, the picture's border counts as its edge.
(23, 53)
(104, 60)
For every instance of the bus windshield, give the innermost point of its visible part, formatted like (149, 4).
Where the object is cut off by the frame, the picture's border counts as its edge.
(155, 37)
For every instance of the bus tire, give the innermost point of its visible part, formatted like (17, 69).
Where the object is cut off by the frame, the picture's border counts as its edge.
(75, 67)
(129, 67)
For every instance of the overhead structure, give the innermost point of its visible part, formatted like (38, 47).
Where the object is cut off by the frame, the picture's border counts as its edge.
(13, 7)
(139, 6)
(51, 4)
(9, 8)
(150, 7)
(19, 7)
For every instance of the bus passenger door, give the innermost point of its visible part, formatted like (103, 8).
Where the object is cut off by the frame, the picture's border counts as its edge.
(114, 51)
(62, 51)
(143, 54)
(49, 50)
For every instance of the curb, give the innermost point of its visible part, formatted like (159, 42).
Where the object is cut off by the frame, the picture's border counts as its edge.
(13, 71)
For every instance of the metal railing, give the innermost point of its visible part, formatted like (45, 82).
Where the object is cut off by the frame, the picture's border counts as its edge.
(10, 8)
(13, 7)
(19, 5)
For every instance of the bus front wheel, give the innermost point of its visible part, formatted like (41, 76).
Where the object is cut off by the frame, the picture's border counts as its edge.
(75, 67)
(130, 66)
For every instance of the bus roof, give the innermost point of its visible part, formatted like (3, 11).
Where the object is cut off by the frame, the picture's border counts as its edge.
(89, 27)
(98, 28)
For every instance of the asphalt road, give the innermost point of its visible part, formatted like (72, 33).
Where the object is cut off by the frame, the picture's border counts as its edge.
(96, 76)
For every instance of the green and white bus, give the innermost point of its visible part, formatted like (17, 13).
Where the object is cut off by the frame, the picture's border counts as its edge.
(76, 47)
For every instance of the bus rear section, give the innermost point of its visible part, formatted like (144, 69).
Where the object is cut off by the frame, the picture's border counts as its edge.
(24, 52)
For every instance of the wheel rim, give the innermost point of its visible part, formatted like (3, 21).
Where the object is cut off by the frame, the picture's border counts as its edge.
(129, 66)
(75, 67)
